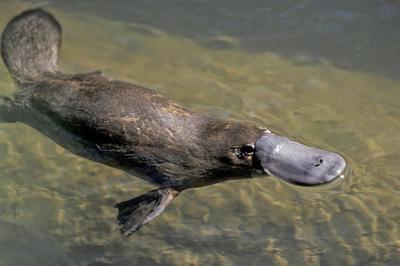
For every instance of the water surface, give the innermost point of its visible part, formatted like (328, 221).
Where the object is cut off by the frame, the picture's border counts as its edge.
(326, 74)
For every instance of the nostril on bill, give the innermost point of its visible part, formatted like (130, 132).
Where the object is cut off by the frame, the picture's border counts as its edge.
(319, 162)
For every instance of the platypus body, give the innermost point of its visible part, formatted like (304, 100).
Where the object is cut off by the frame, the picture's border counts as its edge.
(139, 130)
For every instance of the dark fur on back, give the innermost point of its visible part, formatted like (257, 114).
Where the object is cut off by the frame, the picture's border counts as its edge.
(117, 123)
(136, 129)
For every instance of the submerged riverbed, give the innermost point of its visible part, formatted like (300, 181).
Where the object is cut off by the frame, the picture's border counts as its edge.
(323, 74)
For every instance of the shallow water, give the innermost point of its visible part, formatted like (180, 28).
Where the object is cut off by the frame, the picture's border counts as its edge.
(326, 74)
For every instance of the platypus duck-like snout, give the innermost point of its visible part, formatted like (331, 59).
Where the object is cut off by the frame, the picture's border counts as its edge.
(295, 162)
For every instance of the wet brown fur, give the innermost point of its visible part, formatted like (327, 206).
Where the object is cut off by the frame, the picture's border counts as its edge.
(136, 129)
(126, 126)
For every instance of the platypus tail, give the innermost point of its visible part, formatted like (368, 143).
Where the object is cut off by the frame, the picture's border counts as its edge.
(30, 44)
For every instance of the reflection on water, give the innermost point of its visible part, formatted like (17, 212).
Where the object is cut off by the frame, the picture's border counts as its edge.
(336, 87)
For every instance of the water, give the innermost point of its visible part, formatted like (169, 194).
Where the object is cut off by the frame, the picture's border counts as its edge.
(324, 73)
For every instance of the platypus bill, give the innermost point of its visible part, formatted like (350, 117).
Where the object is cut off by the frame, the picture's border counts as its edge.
(138, 130)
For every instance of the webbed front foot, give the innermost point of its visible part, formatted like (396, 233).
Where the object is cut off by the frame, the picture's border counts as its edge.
(138, 211)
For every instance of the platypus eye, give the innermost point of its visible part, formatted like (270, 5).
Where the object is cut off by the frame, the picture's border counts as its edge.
(244, 151)
(247, 150)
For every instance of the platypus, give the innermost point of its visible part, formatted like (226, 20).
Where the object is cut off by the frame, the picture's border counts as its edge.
(140, 131)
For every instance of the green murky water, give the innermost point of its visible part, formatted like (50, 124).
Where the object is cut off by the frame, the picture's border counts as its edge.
(324, 73)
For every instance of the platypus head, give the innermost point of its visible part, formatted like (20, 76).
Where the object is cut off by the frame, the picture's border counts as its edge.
(295, 162)
(251, 148)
